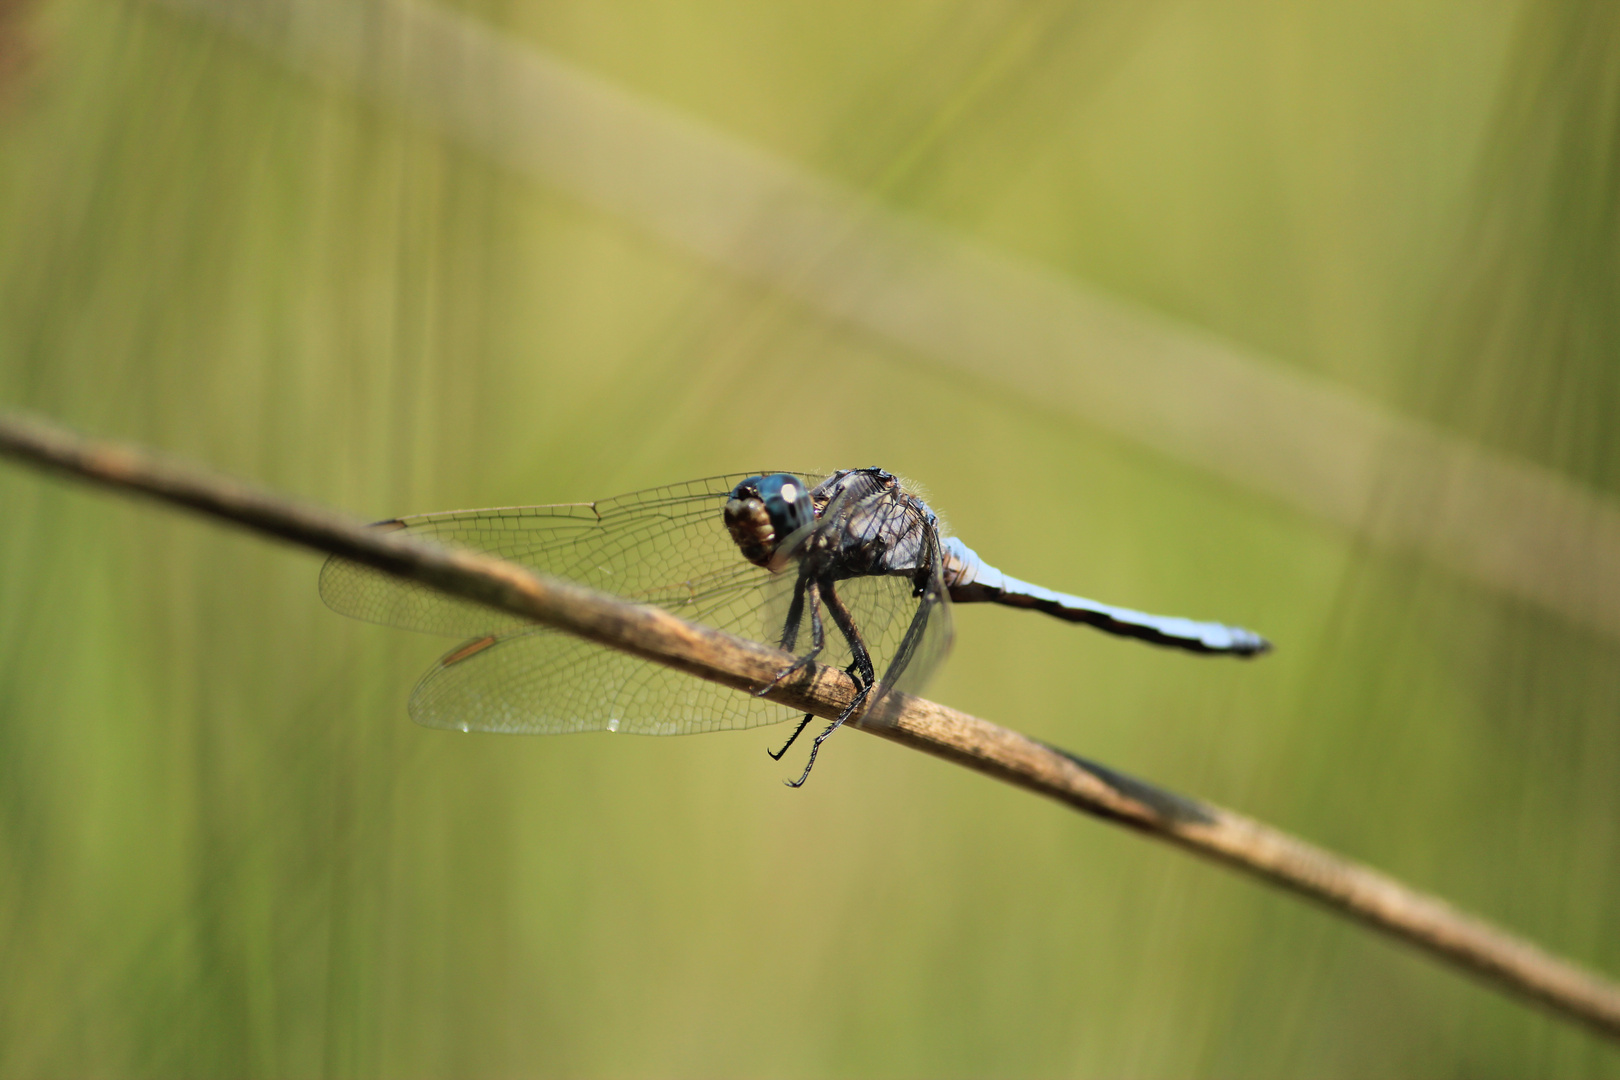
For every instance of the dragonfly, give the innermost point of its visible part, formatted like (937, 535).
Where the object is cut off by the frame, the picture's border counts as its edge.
(849, 569)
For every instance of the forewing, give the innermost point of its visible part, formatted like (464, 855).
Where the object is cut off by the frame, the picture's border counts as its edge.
(666, 546)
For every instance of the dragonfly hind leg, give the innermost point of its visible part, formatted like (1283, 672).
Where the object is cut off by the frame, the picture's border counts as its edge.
(860, 670)
(776, 755)
(815, 747)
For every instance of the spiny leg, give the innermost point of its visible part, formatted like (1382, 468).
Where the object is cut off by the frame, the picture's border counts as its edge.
(815, 747)
(818, 637)
(818, 640)
(846, 625)
(864, 675)
(795, 613)
(777, 754)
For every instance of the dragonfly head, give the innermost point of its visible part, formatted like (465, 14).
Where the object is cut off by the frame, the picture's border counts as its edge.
(763, 512)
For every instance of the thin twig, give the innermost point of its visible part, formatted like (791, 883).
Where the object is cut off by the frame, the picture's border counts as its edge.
(1375, 899)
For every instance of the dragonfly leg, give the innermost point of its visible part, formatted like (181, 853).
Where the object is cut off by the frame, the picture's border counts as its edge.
(846, 624)
(776, 755)
(815, 747)
(818, 636)
(860, 670)
(795, 614)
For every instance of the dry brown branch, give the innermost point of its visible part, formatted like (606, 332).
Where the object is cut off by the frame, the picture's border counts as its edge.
(1374, 899)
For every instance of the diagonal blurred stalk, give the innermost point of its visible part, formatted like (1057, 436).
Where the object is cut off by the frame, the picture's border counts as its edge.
(1364, 894)
(1533, 330)
(1515, 526)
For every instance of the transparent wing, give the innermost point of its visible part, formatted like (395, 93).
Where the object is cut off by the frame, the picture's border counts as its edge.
(537, 681)
(666, 546)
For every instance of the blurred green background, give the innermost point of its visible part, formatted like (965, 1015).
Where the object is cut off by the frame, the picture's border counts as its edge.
(225, 850)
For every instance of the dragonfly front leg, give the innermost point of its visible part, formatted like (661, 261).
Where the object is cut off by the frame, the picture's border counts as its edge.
(795, 615)
(776, 755)
(790, 636)
(790, 633)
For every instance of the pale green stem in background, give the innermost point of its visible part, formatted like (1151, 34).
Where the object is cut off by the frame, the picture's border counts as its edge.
(1317, 447)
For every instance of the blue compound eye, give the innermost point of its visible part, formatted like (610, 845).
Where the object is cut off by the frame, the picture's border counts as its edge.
(763, 512)
(787, 501)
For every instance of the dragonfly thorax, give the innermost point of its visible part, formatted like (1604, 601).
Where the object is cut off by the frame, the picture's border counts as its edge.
(763, 513)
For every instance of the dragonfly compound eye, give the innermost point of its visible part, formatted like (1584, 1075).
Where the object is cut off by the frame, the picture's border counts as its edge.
(764, 511)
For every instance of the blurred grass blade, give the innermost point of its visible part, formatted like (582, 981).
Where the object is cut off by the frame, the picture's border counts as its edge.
(1322, 449)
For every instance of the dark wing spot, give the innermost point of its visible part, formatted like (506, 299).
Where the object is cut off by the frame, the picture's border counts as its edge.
(466, 649)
